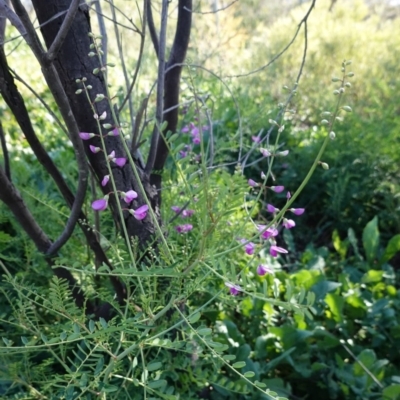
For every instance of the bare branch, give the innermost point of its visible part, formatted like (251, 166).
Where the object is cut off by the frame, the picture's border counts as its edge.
(5, 153)
(55, 86)
(172, 83)
(139, 58)
(152, 27)
(160, 88)
(62, 33)
(3, 20)
(213, 11)
(6, 11)
(103, 31)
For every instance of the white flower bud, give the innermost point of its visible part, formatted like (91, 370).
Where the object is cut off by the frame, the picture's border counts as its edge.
(281, 128)
(347, 84)
(335, 79)
(272, 122)
(99, 97)
(91, 54)
(326, 114)
(77, 80)
(347, 108)
(79, 91)
(332, 135)
(89, 87)
(336, 92)
(324, 165)
(350, 74)
(103, 116)
(96, 71)
(341, 90)
(107, 126)
(324, 122)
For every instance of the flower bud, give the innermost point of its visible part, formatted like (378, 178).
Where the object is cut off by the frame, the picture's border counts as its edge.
(281, 128)
(272, 122)
(347, 108)
(350, 74)
(107, 126)
(96, 71)
(77, 81)
(336, 92)
(84, 79)
(89, 87)
(324, 122)
(324, 165)
(79, 91)
(347, 84)
(99, 97)
(332, 135)
(348, 62)
(91, 54)
(326, 114)
(103, 116)
(335, 79)
(341, 90)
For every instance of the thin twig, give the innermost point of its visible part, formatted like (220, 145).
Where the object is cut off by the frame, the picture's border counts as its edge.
(63, 31)
(5, 153)
(281, 52)
(214, 11)
(103, 31)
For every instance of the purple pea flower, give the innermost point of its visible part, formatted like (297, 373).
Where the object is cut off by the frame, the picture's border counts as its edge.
(111, 156)
(129, 196)
(115, 132)
(184, 228)
(249, 248)
(187, 213)
(119, 161)
(262, 270)
(233, 289)
(272, 209)
(85, 135)
(288, 223)
(288, 195)
(176, 209)
(297, 211)
(185, 129)
(100, 204)
(94, 149)
(105, 180)
(141, 212)
(277, 189)
(196, 140)
(265, 152)
(252, 183)
(256, 139)
(274, 250)
(270, 232)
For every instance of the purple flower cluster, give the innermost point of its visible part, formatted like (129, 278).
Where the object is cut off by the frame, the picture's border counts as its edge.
(266, 234)
(186, 213)
(194, 132)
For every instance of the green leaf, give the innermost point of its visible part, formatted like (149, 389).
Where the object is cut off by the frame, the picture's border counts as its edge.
(392, 248)
(239, 364)
(391, 392)
(24, 340)
(154, 366)
(249, 374)
(372, 276)
(367, 357)
(229, 357)
(335, 303)
(370, 239)
(157, 384)
(103, 323)
(99, 366)
(194, 318)
(339, 245)
(204, 331)
(92, 326)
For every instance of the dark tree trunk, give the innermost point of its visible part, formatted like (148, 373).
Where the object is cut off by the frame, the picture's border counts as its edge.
(72, 62)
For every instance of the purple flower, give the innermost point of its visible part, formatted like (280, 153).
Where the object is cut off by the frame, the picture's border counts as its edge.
(274, 250)
(252, 183)
(256, 139)
(111, 156)
(271, 208)
(129, 196)
(141, 212)
(277, 189)
(297, 211)
(196, 140)
(195, 131)
(85, 135)
(249, 248)
(265, 152)
(262, 270)
(184, 228)
(288, 195)
(187, 213)
(233, 289)
(205, 127)
(185, 129)
(100, 204)
(288, 223)
(115, 132)
(176, 209)
(105, 180)
(270, 232)
(94, 149)
(120, 161)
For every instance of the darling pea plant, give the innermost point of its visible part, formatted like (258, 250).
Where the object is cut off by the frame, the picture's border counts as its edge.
(195, 211)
